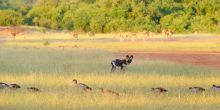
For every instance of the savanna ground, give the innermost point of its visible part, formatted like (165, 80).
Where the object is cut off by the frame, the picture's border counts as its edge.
(50, 61)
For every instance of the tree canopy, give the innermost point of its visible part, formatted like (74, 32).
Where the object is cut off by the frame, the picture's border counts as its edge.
(114, 15)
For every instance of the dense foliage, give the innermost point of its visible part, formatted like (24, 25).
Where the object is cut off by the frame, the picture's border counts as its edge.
(114, 15)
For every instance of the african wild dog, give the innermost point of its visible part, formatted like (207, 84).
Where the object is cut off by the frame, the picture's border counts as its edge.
(121, 63)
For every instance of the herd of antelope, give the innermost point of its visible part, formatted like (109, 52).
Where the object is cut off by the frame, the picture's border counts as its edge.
(143, 35)
(133, 35)
(75, 34)
(15, 31)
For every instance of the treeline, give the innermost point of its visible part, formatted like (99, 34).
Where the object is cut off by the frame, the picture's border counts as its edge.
(114, 15)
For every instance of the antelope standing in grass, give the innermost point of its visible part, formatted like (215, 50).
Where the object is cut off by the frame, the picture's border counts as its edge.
(75, 35)
(145, 35)
(91, 34)
(125, 35)
(15, 31)
(119, 35)
(133, 36)
(167, 32)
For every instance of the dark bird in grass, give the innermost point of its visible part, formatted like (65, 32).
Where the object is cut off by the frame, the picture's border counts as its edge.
(108, 92)
(159, 90)
(215, 88)
(3, 85)
(196, 89)
(82, 86)
(33, 89)
(14, 86)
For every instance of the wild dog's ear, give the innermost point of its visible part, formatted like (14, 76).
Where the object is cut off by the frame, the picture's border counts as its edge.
(127, 56)
(131, 57)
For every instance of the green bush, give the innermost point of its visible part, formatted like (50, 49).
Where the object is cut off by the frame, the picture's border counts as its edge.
(43, 31)
(114, 15)
(10, 17)
(46, 43)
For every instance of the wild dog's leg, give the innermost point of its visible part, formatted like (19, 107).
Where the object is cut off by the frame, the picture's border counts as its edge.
(113, 66)
(123, 69)
(112, 69)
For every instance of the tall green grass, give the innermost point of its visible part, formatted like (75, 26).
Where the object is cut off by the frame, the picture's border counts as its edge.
(52, 70)
(57, 92)
(83, 61)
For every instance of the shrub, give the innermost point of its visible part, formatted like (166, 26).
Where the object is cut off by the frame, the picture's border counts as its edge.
(10, 17)
(46, 43)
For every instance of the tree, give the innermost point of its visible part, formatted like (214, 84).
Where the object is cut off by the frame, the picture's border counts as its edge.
(114, 15)
(10, 17)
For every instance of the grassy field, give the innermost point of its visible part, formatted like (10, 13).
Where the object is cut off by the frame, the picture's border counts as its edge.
(52, 69)
(112, 43)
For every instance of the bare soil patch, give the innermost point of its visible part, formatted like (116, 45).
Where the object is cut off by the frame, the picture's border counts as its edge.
(208, 59)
